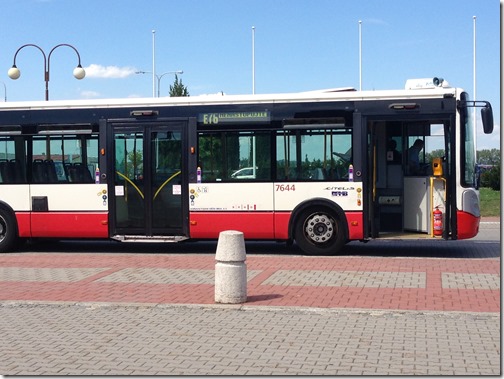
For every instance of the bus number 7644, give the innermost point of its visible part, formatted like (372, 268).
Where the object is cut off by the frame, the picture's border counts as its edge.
(285, 187)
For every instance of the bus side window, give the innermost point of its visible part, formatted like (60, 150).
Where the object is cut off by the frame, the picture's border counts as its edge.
(210, 150)
(78, 173)
(64, 158)
(248, 155)
(234, 156)
(314, 155)
(12, 154)
(44, 171)
(11, 172)
(286, 153)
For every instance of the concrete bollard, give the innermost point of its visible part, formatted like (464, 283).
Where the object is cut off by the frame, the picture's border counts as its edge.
(230, 268)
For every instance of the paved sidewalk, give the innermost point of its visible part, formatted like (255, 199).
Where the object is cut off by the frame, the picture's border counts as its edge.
(434, 284)
(92, 339)
(391, 308)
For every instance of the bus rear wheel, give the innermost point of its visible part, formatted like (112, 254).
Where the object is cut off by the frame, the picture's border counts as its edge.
(320, 232)
(8, 230)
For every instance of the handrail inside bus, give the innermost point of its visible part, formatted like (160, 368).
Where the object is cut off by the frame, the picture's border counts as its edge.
(131, 182)
(165, 183)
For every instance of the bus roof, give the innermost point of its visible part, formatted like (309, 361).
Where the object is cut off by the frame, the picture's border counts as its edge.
(335, 94)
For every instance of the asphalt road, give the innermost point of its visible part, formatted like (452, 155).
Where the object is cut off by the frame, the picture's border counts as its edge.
(490, 233)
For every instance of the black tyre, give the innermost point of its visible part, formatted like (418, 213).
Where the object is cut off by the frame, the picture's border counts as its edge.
(320, 231)
(8, 230)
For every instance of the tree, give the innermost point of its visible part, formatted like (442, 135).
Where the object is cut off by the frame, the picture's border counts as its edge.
(489, 156)
(439, 153)
(491, 178)
(178, 89)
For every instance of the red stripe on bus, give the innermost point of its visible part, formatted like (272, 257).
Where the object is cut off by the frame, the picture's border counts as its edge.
(63, 224)
(263, 225)
(355, 225)
(282, 225)
(467, 225)
(257, 225)
(23, 224)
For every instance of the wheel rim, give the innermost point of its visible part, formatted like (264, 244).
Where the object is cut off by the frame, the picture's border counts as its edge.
(3, 229)
(319, 228)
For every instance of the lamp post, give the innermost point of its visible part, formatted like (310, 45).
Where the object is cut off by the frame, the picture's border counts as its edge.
(158, 77)
(78, 72)
(154, 64)
(360, 55)
(253, 61)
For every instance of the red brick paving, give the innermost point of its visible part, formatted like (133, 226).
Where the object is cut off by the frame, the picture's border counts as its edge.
(431, 298)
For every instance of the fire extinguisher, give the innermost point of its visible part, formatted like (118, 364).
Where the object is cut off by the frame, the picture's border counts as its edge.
(438, 222)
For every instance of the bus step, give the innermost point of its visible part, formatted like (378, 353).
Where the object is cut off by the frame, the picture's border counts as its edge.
(156, 239)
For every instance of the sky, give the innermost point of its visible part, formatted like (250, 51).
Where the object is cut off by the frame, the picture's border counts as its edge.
(299, 45)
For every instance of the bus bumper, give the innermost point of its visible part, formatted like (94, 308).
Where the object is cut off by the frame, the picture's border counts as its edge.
(467, 225)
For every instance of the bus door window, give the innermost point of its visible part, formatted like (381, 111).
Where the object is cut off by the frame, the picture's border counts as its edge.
(129, 157)
(166, 169)
(167, 161)
(129, 169)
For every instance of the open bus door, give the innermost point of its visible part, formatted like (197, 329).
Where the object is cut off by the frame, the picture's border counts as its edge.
(147, 170)
(402, 198)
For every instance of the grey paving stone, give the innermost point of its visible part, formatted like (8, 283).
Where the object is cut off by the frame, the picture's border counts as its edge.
(52, 339)
(37, 274)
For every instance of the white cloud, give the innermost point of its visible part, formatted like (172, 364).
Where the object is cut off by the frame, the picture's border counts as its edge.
(89, 94)
(99, 71)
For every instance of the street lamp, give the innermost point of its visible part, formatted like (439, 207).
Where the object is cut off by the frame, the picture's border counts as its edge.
(78, 72)
(158, 77)
(253, 61)
(360, 55)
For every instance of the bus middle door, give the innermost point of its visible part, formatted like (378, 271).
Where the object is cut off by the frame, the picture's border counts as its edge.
(149, 170)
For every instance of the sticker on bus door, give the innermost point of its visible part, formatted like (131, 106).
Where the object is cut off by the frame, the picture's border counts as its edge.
(177, 189)
(119, 190)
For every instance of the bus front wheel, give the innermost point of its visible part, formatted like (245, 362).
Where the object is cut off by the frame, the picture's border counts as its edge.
(320, 232)
(8, 230)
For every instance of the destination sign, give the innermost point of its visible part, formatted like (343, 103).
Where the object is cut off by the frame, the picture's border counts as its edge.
(233, 117)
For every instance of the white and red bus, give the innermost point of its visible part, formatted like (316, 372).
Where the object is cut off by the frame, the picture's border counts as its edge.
(319, 168)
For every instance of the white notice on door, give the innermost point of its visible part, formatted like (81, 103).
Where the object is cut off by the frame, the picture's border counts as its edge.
(177, 189)
(119, 190)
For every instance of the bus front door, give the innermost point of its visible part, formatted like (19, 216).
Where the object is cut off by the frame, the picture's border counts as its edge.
(149, 189)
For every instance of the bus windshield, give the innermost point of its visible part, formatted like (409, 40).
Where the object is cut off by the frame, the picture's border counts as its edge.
(468, 145)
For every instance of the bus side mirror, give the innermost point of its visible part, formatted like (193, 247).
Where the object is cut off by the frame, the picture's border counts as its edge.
(487, 118)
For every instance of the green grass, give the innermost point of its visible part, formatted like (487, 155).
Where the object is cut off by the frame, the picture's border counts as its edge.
(489, 202)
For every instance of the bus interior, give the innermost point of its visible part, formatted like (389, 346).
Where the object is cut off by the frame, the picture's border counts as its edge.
(404, 186)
